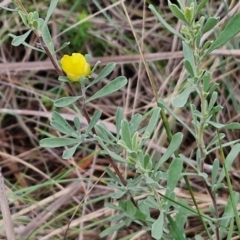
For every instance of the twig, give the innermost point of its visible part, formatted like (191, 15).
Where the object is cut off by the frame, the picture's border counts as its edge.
(7, 219)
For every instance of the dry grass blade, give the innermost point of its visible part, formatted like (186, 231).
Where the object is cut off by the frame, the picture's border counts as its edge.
(6, 211)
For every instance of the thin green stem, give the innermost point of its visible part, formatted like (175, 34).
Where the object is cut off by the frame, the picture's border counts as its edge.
(231, 192)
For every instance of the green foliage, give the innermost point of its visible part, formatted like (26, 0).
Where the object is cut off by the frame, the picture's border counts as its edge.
(155, 179)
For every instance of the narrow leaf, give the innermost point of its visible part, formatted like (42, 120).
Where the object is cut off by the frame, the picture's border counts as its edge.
(96, 116)
(215, 140)
(215, 124)
(231, 29)
(161, 103)
(215, 169)
(229, 160)
(112, 229)
(65, 101)
(182, 98)
(157, 227)
(210, 24)
(234, 125)
(119, 118)
(174, 230)
(174, 173)
(166, 25)
(111, 87)
(126, 134)
(51, 8)
(18, 40)
(189, 68)
(66, 127)
(176, 11)
(174, 145)
(57, 142)
(201, 5)
(152, 122)
(104, 73)
(68, 153)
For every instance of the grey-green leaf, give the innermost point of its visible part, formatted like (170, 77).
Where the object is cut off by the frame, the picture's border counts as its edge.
(96, 116)
(18, 40)
(51, 8)
(210, 24)
(176, 11)
(65, 101)
(182, 98)
(166, 25)
(229, 160)
(174, 173)
(62, 125)
(157, 227)
(111, 87)
(126, 134)
(174, 145)
(231, 29)
(68, 153)
(57, 142)
(104, 73)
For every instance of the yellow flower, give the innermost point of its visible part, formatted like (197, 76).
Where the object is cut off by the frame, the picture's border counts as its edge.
(75, 66)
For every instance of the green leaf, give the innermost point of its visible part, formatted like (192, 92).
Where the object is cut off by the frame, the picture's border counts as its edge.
(166, 25)
(18, 40)
(68, 153)
(112, 229)
(135, 122)
(47, 38)
(62, 47)
(77, 124)
(60, 124)
(23, 17)
(152, 122)
(58, 142)
(126, 134)
(113, 155)
(174, 173)
(182, 98)
(231, 29)
(174, 230)
(130, 209)
(104, 73)
(174, 145)
(201, 5)
(119, 118)
(189, 68)
(215, 140)
(188, 54)
(234, 125)
(215, 124)
(63, 79)
(96, 116)
(157, 227)
(176, 11)
(229, 160)
(65, 101)
(161, 103)
(112, 175)
(215, 169)
(111, 87)
(212, 101)
(8, 9)
(206, 81)
(210, 24)
(188, 13)
(51, 8)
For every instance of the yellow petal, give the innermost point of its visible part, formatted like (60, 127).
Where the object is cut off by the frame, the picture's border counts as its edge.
(75, 66)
